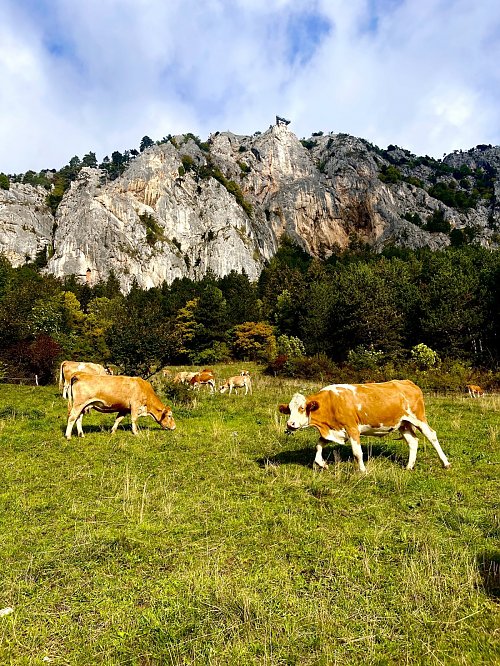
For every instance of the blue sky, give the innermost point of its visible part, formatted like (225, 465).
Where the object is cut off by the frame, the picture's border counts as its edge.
(98, 75)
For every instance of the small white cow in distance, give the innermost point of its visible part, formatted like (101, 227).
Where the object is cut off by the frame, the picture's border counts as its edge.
(68, 369)
(474, 390)
(343, 412)
(237, 382)
(110, 395)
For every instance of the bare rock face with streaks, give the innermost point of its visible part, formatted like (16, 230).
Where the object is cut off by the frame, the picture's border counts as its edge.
(26, 223)
(184, 207)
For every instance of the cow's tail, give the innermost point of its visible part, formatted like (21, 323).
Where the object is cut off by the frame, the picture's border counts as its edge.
(61, 375)
(70, 390)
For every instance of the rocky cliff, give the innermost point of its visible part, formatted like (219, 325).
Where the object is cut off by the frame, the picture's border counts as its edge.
(183, 207)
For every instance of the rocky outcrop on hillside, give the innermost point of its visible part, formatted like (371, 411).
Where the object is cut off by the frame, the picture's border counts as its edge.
(184, 207)
(26, 223)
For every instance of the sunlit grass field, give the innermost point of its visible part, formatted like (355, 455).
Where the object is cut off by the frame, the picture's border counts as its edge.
(218, 543)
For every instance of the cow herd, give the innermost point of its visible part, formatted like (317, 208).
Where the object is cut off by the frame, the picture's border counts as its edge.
(90, 386)
(341, 413)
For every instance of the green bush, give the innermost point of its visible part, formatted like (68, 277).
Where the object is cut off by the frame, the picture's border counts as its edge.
(424, 357)
(4, 182)
(362, 358)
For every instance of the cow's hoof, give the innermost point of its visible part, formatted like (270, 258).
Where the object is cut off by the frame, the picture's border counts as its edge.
(447, 466)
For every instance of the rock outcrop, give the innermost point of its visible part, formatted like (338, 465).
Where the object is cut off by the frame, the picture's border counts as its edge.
(26, 223)
(184, 207)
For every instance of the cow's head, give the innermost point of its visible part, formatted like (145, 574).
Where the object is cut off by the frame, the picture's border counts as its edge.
(167, 419)
(299, 409)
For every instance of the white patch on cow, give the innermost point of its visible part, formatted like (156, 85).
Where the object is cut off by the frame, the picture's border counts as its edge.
(338, 388)
(337, 436)
(374, 431)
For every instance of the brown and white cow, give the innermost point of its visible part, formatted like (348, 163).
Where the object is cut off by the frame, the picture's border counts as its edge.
(122, 395)
(206, 377)
(474, 390)
(237, 382)
(343, 412)
(183, 377)
(68, 369)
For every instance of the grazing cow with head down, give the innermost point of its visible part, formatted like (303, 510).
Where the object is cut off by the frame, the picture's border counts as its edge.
(115, 395)
(343, 412)
(237, 382)
(68, 369)
(474, 390)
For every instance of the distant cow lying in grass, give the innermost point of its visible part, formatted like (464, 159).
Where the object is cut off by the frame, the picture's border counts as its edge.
(474, 390)
(343, 412)
(237, 382)
(110, 395)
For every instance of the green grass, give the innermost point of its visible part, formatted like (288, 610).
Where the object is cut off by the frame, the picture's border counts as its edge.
(219, 544)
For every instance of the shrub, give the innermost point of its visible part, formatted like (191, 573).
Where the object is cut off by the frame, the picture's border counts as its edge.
(154, 232)
(389, 174)
(217, 353)
(4, 182)
(176, 394)
(424, 357)
(437, 222)
(291, 346)
(362, 358)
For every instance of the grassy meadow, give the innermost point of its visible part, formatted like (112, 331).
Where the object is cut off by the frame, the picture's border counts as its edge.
(219, 544)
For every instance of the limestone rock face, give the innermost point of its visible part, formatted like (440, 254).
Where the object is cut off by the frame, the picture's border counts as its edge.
(184, 207)
(25, 223)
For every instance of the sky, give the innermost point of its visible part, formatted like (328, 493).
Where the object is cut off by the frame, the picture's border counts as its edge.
(97, 75)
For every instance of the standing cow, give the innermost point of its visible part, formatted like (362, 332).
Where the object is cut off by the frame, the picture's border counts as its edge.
(474, 391)
(237, 382)
(206, 377)
(68, 369)
(343, 412)
(110, 395)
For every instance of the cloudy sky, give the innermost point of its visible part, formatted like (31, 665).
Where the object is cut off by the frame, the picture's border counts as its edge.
(97, 75)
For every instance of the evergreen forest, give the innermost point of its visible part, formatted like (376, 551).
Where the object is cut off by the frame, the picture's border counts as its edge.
(357, 316)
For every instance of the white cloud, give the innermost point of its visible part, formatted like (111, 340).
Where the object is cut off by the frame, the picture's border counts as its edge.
(99, 75)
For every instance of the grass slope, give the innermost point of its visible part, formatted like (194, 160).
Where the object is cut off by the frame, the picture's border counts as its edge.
(219, 544)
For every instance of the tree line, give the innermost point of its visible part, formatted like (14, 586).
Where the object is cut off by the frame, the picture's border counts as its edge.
(356, 308)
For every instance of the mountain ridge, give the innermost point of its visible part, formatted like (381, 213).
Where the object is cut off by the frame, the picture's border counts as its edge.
(182, 207)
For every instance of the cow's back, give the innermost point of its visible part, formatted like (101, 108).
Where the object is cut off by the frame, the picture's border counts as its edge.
(371, 403)
(111, 389)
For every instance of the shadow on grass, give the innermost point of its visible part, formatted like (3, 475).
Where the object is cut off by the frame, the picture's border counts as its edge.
(488, 564)
(332, 454)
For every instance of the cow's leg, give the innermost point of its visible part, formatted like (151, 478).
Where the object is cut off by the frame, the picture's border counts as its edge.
(412, 440)
(319, 460)
(117, 422)
(74, 414)
(79, 427)
(357, 451)
(430, 434)
(134, 413)
(65, 390)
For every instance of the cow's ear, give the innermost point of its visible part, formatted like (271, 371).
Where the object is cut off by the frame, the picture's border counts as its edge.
(311, 406)
(284, 409)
